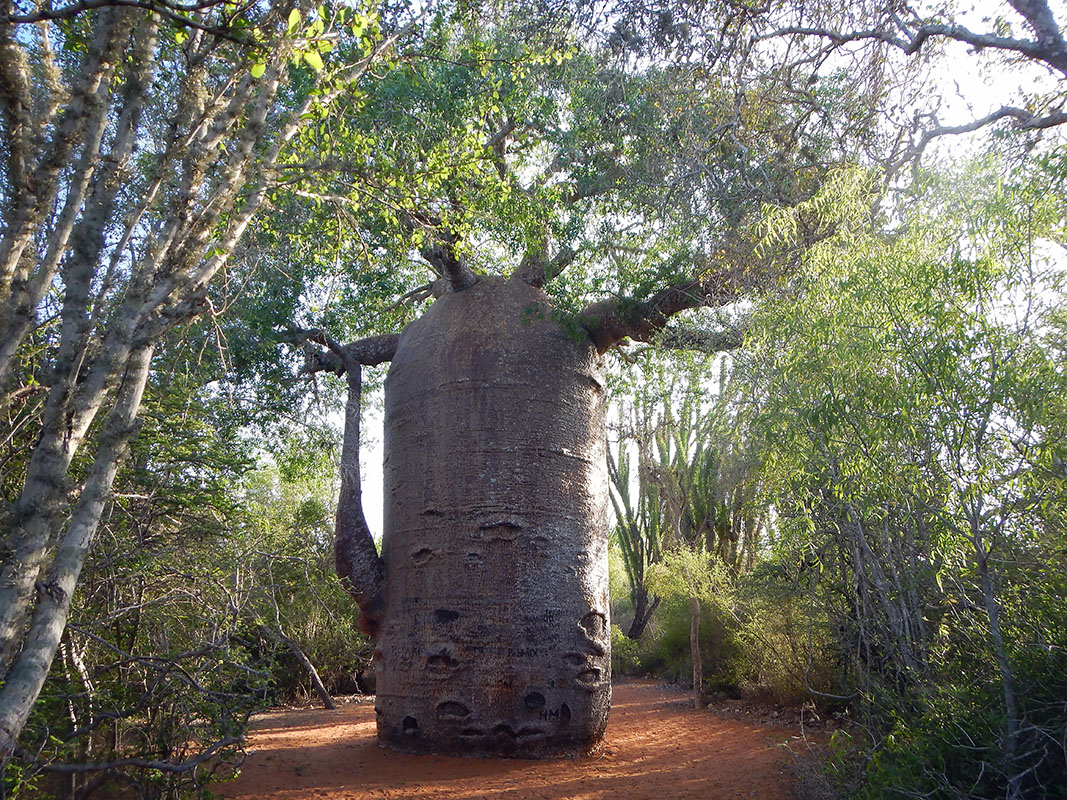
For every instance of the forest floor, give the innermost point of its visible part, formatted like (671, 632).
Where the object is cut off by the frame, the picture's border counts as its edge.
(657, 747)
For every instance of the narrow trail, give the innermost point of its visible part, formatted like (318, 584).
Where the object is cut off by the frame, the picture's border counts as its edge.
(656, 749)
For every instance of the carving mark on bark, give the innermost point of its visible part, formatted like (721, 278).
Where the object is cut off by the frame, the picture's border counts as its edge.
(589, 676)
(450, 710)
(535, 700)
(445, 615)
(504, 730)
(594, 624)
(594, 631)
(503, 530)
(441, 661)
(422, 555)
(410, 726)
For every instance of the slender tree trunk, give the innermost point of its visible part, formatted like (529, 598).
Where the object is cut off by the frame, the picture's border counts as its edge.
(313, 674)
(694, 647)
(52, 608)
(643, 611)
(1007, 677)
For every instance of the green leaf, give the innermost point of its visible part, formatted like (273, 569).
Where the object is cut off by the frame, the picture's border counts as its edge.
(314, 60)
(294, 20)
(258, 70)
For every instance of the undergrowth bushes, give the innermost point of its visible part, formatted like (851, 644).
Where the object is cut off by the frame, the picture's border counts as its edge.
(758, 636)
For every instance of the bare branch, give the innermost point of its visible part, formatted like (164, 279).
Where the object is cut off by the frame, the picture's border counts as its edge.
(424, 292)
(144, 763)
(1046, 49)
(175, 12)
(1025, 120)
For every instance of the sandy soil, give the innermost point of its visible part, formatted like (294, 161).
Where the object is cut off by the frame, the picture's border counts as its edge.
(656, 748)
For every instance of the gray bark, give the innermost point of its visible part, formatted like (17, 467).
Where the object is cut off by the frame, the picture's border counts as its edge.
(494, 639)
(52, 607)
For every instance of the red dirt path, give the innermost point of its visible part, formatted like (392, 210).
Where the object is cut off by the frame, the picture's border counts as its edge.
(656, 749)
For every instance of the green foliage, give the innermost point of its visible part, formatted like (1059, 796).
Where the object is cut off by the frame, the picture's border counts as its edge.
(908, 406)
(683, 574)
(207, 564)
(625, 654)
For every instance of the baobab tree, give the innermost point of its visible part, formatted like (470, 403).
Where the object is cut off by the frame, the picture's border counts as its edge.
(489, 599)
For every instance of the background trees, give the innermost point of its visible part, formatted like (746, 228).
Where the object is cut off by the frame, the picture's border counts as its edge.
(909, 426)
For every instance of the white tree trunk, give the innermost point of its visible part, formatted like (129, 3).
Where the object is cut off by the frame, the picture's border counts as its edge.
(27, 674)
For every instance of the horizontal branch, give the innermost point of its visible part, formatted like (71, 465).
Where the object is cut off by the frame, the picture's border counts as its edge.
(175, 12)
(368, 352)
(373, 350)
(609, 322)
(1024, 120)
(1049, 47)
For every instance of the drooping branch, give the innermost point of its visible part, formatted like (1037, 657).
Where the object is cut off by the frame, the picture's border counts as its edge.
(356, 559)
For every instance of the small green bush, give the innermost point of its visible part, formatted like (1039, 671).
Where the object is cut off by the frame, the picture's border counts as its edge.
(625, 654)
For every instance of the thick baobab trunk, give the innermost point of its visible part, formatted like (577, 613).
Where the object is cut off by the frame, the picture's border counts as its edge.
(494, 638)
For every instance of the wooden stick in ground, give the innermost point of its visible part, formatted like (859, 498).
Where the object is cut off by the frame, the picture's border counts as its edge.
(694, 646)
